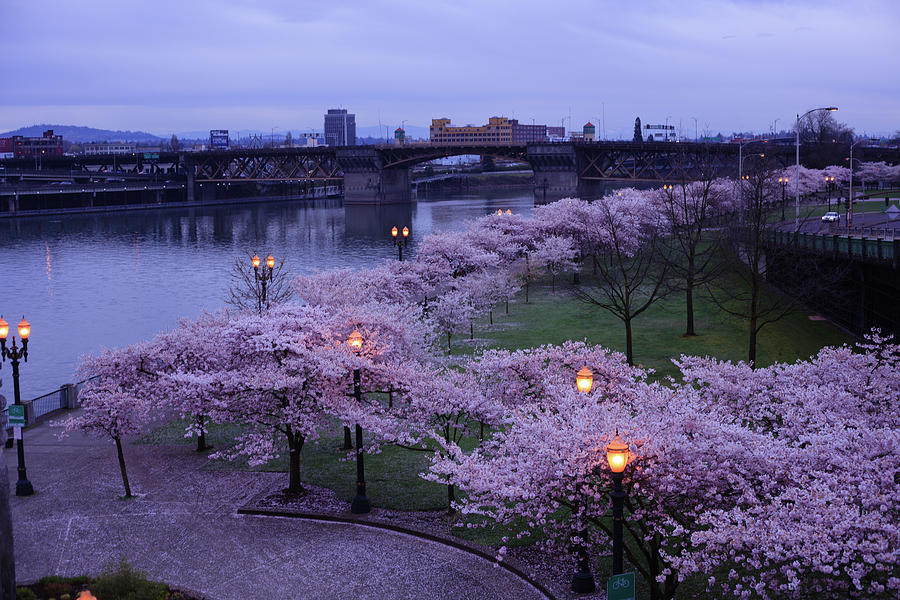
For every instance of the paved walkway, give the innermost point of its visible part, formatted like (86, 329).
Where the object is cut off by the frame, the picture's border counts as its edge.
(182, 529)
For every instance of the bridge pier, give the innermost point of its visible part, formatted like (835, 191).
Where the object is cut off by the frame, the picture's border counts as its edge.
(367, 181)
(555, 171)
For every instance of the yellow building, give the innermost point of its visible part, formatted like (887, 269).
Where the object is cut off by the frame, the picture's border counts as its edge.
(497, 131)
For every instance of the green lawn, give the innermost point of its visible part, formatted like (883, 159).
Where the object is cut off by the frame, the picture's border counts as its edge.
(658, 333)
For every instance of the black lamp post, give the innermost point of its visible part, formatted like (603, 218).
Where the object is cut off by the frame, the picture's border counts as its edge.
(400, 241)
(783, 181)
(583, 579)
(15, 354)
(360, 504)
(262, 275)
(829, 184)
(617, 457)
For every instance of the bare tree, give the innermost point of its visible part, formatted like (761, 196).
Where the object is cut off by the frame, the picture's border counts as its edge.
(754, 262)
(246, 291)
(692, 248)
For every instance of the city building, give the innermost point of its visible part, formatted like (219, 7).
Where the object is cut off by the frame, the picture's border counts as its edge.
(46, 145)
(660, 133)
(556, 133)
(7, 148)
(94, 148)
(588, 132)
(523, 134)
(399, 136)
(497, 131)
(340, 127)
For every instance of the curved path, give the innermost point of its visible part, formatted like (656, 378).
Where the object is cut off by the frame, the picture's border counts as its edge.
(182, 529)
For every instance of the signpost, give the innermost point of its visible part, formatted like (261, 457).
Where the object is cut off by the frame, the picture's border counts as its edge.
(620, 587)
(17, 415)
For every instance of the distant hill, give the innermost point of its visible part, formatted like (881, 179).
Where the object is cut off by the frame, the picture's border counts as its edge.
(78, 134)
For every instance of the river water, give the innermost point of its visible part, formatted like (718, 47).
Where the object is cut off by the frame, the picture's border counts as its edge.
(85, 282)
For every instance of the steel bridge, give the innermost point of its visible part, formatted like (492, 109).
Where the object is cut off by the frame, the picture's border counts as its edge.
(380, 174)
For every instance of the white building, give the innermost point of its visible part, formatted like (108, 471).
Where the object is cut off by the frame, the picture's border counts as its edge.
(660, 133)
(92, 148)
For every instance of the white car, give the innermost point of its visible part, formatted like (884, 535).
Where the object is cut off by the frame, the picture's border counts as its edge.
(831, 217)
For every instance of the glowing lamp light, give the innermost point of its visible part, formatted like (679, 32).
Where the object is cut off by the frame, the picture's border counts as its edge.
(86, 594)
(509, 212)
(406, 232)
(394, 231)
(355, 341)
(255, 261)
(24, 329)
(499, 212)
(584, 379)
(617, 455)
(270, 261)
(4, 328)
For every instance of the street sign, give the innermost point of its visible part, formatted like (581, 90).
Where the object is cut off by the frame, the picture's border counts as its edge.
(620, 587)
(17, 415)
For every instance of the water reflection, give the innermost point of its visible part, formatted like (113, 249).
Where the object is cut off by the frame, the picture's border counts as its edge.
(92, 281)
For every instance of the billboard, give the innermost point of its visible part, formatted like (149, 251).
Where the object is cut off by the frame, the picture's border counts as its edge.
(218, 139)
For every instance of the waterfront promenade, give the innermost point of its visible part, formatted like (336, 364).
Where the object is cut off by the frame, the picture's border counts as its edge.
(183, 529)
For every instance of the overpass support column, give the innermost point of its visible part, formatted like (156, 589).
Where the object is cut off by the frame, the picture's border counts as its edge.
(366, 181)
(14, 203)
(555, 171)
(189, 172)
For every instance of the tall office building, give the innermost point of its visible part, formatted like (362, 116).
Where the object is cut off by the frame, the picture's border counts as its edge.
(340, 128)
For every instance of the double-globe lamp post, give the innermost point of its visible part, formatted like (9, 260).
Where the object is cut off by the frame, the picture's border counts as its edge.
(15, 354)
(617, 457)
(360, 504)
(783, 181)
(583, 579)
(400, 241)
(262, 275)
(797, 170)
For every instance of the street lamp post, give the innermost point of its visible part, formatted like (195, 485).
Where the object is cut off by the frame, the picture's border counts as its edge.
(829, 186)
(797, 170)
(617, 458)
(360, 504)
(850, 193)
(583, 579)
(400, 241)
(783, 181)
(741, 177)
(262, 275)
(15, 354)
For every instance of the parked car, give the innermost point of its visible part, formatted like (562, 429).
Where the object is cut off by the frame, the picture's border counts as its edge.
(831, 217)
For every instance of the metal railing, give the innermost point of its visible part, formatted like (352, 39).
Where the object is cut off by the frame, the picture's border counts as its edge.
(46, 405)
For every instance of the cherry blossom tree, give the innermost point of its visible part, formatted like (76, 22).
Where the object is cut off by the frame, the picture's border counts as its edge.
(556, 254)
(631, 275)
(111, 408)
(710, 491)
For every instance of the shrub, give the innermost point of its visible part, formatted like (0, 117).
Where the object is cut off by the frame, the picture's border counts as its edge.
(122, 582)
(24, 593)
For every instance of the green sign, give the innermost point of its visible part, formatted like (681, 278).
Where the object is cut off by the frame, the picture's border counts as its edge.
(17, 415)
(620, 587)
(151, 155)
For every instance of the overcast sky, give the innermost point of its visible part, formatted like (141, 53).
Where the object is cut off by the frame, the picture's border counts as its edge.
(164, 66)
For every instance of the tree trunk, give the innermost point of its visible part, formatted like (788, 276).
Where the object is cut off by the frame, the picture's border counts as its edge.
(348, 443)
(491, 316)
(754, 303)
(689, 304)
(628, 350)
(449, 349)
(507, 305)
(295, 445)
(526, 291)
(553, 283)
(122, 466)
(201, 436)
(451, 497)
(471, 330)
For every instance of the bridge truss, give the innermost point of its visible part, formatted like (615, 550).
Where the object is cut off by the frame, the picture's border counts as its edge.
(284, 164)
